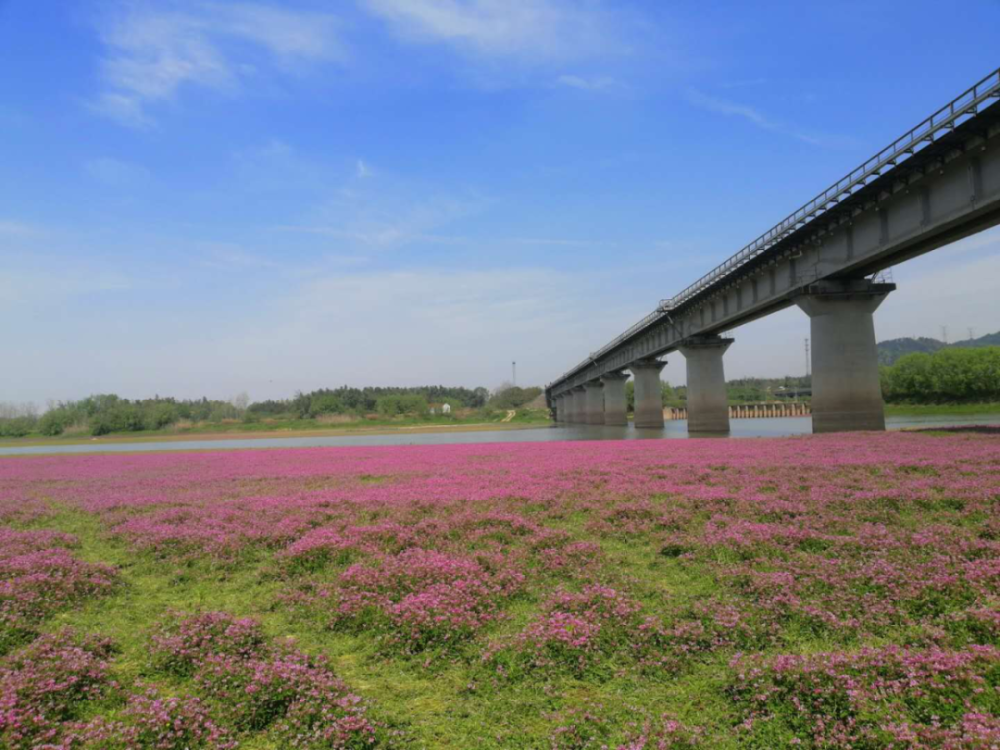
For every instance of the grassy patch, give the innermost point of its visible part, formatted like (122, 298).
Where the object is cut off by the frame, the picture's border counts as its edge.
(941, 410)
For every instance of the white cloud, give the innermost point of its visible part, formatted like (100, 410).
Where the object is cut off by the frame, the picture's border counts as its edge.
(954, 286)
(392, 327)
(757, 118)
(13, 228)
(126, 109)
(585, 83)
(154, 50)
(55, 283)
(415, 326)
(728, 108)
(524, 30)
(228, 256)
(115, 172)
(376, 211)
(278, 165)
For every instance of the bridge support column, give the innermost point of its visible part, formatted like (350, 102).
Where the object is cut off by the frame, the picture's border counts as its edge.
(648, 393)
(845, 384)
(568, 402)
(707, 403)
(615, 406)
(593, 400)
(557, 410)
(579, 405)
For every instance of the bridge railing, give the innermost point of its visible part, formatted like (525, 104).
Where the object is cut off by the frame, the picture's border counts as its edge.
(962, 107)
(945, 119)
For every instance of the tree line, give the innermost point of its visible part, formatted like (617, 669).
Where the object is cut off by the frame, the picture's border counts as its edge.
(946, 376)
(360, 401)
(102, 414)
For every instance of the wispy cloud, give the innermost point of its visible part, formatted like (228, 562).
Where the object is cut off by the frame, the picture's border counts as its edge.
(550, 241)
(455, 324)
(277, 165)
(588, 83)
(756, 117)
(377, 210)
(115, 172)
(744, 83)
(232, 257)
(523, 30)
(62, 281)
(13, 228)
(155, 49)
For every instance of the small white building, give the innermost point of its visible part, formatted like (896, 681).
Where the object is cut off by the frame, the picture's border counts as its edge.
(446, 408)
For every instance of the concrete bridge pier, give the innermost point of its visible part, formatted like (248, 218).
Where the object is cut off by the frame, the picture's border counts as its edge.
(648, 393)
(846, 394)
(593, 399)
(708, 406)
(615, 404)
(579, 405)
(559, 408)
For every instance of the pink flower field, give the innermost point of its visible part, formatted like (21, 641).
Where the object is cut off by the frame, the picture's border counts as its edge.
(829, 591)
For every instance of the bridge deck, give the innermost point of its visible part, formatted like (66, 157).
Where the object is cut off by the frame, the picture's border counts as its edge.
(972, 112)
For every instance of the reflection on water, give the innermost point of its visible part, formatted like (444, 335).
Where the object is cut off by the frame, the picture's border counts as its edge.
(741, 428)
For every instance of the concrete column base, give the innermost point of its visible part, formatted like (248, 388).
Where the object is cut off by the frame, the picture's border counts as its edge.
(707, 402)
(846, 393)
(648, 393)
(593, 399)
(615, 403)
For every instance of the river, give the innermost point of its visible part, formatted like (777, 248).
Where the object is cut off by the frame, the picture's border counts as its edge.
(741, 428)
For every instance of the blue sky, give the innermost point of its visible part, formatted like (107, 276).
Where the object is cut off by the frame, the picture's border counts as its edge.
(214, 197)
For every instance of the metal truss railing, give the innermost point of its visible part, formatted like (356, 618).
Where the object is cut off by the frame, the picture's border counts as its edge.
(968, 104)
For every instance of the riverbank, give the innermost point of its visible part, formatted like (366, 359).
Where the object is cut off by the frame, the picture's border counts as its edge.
(162, 436)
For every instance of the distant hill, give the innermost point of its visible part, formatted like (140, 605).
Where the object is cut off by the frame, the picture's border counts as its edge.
(990, 339)
(891, 350)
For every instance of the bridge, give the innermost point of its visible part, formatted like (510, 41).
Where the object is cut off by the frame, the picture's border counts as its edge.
(937, 183)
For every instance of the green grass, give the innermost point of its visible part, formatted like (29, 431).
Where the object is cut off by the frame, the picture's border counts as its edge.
(940, 410)
(292, 427)
(447, 705)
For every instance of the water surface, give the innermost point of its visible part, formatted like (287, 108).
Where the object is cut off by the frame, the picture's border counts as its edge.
(741, 428)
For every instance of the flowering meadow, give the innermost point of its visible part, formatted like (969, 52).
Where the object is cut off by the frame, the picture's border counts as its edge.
(824, 591)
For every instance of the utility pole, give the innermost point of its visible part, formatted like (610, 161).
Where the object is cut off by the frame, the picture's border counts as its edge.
(513, 372)
(807, 358)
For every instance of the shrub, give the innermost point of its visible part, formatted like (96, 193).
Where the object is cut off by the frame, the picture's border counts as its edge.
(873, 698)
(43, 685)
(16, 427)
(152, 721)
(580, 633)
(424, 598)
(180, 645)
(120, 417)
(53, 422)
(37, 584)
(255, 687)
(158, 415)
